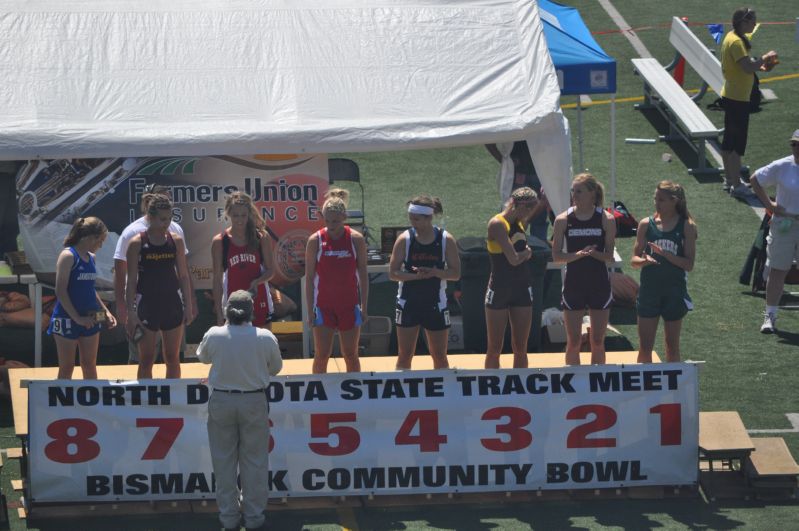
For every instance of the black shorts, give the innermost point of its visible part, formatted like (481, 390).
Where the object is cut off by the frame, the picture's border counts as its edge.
(164, 312)
(501, 296)
(587, 291)
(429, 316)
(736, 125)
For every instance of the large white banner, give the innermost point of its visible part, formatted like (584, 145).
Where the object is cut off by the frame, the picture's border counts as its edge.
(376, 433)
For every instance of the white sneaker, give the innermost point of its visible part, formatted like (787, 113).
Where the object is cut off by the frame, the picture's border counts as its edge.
(769, 323)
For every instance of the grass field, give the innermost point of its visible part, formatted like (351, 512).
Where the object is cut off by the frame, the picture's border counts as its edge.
(743, 370)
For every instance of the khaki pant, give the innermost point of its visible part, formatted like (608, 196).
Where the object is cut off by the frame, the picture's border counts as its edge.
(238, 435)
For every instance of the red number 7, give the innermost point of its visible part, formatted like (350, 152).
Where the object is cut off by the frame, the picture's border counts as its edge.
(165, 436)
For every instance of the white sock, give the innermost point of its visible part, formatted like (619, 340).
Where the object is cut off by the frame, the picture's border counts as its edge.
(772, 309)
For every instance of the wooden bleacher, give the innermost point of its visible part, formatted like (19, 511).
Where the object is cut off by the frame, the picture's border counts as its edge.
(734, 465)
(771, 468)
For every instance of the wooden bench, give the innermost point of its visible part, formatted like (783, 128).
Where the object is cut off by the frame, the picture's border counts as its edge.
(771, 465)
(723, 437)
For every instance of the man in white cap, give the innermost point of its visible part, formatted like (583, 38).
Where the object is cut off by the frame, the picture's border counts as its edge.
(242, 359)
(783, 238)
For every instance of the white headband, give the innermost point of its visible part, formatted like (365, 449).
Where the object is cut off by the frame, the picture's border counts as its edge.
(420, 209)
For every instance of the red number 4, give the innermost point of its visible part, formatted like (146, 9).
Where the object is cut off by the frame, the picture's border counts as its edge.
(428, 438)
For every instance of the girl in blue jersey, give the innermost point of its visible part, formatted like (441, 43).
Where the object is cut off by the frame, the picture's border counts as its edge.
(664, 251)
(76, 319)
(423, 259)
(583, 239)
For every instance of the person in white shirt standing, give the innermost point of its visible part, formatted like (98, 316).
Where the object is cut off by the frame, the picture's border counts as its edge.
(783, 239)
(242, 359)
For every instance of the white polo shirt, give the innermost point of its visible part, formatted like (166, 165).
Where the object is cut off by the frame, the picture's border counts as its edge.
(784, 175)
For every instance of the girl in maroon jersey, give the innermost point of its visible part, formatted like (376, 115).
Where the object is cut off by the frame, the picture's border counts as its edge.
(337, 284)
(158, 293)
(589, 234)
(242, 259)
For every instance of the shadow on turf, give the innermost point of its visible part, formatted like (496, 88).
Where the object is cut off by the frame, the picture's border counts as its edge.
(622, 513)
(681, 149)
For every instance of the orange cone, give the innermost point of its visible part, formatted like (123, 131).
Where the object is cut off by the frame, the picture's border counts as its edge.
(679, 70)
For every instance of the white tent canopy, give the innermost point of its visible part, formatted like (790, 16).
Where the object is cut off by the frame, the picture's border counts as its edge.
(112, 78)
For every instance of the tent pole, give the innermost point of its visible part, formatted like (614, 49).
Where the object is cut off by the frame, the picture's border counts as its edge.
(580, 167)
(613, 147)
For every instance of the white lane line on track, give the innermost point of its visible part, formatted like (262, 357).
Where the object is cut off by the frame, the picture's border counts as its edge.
(625, 28)
(793, 418)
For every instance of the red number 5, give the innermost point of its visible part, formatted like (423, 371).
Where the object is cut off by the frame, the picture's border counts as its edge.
(348, 437)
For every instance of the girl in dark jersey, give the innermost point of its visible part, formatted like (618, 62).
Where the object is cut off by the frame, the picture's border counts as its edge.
(589, 235)
(337, 284)
(158, 294)
(76, 319)
(242, 259)
(423, 259)
(509, 296)
(664, 251)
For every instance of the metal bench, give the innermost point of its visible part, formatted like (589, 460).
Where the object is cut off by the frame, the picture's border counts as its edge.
(696, 54)
(686, 120)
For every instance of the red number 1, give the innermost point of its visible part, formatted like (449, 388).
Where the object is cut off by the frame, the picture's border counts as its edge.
(670, 423)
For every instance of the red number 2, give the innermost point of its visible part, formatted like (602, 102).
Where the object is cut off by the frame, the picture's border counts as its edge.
(604, 418)
(75, 435)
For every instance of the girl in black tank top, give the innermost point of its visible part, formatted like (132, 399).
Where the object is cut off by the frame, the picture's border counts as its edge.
(584, 237)
(158, 293)
(423, 259)
(509, 295)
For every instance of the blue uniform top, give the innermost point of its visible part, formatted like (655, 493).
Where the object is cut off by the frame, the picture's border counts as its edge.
(80, 286)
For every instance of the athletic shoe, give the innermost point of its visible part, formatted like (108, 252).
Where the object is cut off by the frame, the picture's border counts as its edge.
(726, 187)
(741, 192)
(769, 323)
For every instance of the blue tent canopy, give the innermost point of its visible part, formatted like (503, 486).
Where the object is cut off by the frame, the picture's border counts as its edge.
(582, 66)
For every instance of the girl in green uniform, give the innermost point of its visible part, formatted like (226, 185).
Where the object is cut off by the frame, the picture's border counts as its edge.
(664, 252)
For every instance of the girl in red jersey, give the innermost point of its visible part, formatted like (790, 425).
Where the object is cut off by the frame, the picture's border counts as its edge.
(158, 293)
(337, 284)
(242, 258)
(589, 234)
